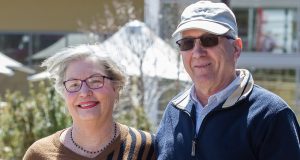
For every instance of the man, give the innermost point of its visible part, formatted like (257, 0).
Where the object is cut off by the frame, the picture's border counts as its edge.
(224, 115)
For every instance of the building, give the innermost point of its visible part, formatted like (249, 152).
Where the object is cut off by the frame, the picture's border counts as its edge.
(32, 25)
(264, 25)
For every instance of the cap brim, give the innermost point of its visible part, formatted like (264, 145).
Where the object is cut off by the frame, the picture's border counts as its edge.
(208, 26)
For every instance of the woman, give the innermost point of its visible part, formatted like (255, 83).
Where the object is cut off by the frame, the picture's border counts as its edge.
(90, 84)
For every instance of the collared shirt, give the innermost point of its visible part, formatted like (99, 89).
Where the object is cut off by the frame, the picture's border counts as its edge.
(213, 101)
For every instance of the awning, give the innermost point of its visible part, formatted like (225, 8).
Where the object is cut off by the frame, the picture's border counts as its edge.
(7, 65)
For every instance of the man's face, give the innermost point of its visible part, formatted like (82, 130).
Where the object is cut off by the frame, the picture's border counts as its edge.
(211, 67)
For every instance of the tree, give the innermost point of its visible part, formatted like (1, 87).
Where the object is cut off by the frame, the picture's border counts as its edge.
(116, 14)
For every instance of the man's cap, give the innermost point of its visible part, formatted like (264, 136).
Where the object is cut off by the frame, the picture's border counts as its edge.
(215, 18)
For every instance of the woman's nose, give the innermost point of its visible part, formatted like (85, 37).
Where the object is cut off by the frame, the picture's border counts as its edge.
(85, 90)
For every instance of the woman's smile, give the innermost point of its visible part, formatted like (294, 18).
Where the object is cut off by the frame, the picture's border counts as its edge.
(88, 105)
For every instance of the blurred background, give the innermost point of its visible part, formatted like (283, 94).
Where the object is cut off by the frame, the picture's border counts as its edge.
(139, 33)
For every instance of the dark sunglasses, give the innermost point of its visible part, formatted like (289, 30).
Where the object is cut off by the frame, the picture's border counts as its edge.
(206, 40)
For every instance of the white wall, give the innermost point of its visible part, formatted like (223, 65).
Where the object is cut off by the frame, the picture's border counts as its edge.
(152, 15)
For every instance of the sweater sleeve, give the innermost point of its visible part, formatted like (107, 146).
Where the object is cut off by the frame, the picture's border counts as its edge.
(281, 140)
(164, 136)
(31, 154)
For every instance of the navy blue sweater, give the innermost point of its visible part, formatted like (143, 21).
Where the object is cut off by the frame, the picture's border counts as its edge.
(254, 124)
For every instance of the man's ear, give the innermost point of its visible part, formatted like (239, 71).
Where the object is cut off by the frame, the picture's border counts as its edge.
(238, 46)
(240, 43)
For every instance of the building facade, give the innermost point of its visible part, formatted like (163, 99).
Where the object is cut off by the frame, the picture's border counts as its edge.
(32, 25)
(264, 25)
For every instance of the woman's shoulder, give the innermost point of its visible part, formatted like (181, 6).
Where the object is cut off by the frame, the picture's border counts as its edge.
(51, 139)
(136, 134)
(42, 145)
(137, 141)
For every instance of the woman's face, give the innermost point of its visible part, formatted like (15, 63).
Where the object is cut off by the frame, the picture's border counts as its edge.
(89, 104)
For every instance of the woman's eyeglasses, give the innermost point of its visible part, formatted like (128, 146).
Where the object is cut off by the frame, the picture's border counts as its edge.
(93, 82)
(207, 40)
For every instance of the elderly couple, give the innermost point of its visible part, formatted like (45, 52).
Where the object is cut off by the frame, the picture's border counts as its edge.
(223, 116)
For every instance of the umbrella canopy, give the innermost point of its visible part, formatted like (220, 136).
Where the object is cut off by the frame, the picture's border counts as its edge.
(139, 50)
(7, 65)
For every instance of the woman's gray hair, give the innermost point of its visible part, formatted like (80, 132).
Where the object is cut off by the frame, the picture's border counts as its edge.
(57, 65)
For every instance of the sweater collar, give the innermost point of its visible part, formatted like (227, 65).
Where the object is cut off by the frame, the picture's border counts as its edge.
(244, 88)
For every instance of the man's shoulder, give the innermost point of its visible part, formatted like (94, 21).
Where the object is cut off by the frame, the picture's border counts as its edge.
(267, 102)
(181, 100)
(267, 95)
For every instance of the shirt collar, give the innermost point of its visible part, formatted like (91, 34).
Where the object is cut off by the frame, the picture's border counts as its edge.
(217, 98)
(182, 101)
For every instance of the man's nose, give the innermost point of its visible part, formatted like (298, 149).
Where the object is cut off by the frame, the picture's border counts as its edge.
(198, 49)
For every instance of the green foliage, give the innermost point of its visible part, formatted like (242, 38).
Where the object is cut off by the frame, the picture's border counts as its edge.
(23, 119)
(134, 117)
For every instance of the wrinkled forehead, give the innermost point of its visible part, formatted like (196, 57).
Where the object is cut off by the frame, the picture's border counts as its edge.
(85, 67)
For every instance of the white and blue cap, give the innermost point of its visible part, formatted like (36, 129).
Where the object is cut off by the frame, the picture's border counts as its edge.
(215, 18)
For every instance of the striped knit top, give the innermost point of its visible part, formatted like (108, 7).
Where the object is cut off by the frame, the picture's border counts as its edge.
(130, 144)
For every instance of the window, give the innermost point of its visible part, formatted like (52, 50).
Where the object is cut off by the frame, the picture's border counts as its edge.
(20, 46)
(267, 30)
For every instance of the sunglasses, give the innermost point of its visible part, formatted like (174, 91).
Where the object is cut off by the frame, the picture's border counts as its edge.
(206, 40)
